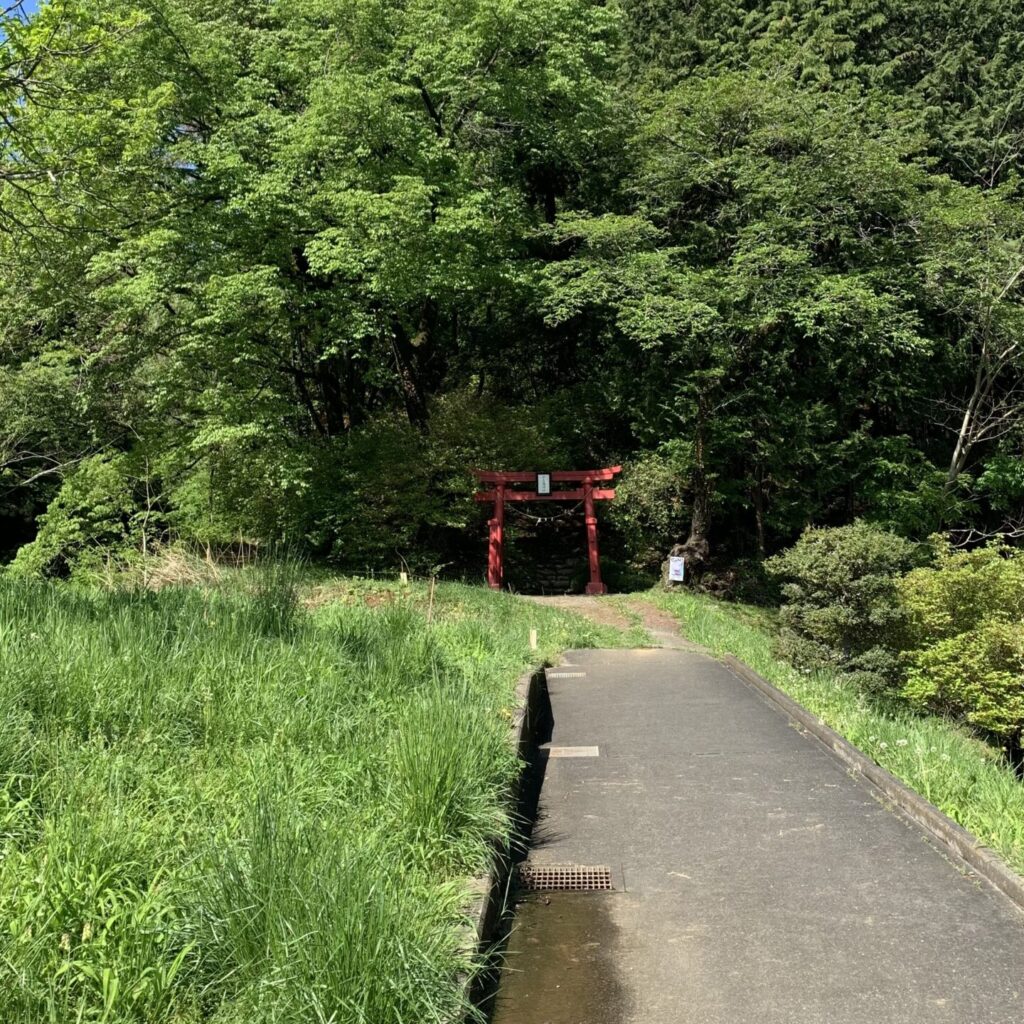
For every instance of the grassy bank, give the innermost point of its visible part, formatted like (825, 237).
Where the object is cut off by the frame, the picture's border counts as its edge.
(228, 804)
(962, 776)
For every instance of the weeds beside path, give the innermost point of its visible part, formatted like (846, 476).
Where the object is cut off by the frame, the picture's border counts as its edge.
(252, 800)
(661, 626)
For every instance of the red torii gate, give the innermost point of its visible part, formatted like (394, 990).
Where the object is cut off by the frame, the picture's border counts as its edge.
(504, 490)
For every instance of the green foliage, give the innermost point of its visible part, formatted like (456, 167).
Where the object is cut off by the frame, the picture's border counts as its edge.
(234, 482)
(651, 504)
(388, 493)
(382, 494)
(748, 287)
(252, 800)
(286, 222)
(905, 492)
(841, 605)
(242, 245)
(961, 590)
(373, 497)
(949, 633)
(966, 639)
(948, 64)
(976, 676)
(1002, 482)
(92, 517)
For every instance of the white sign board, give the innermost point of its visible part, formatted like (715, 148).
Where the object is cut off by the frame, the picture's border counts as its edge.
(676, 569)
(543, 483)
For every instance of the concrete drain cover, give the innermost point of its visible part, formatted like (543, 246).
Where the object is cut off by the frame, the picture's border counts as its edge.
(564, 878)
(572, 751)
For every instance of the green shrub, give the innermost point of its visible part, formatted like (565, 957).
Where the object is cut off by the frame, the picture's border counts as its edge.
(379, 495)
(977, 676)
(965, 630)
(387, 493)
(232, 483)
(651, 508)
(371, 498)
(94, 517)
(961, 591)
(841, 606)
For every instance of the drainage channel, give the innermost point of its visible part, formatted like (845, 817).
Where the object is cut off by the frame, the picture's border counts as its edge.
(557, 966)
(552, 959)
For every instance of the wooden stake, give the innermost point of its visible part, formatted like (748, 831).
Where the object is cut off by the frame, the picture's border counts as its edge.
(533, 639)
(430, 605)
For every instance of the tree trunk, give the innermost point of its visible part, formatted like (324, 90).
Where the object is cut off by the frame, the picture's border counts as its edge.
(1015, 751)
(696, 549)
(355, 393)
(965, 436)
(757, 498)
(406, 363)
(335, 411)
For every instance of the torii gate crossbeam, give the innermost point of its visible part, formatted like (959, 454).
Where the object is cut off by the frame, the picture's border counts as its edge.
(502, 488)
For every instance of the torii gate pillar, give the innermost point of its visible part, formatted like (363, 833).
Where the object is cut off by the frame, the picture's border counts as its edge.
(496, 547)
(585, 491)
(595, 586)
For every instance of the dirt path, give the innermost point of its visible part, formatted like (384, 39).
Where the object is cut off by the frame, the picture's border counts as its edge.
(663, 627)
(622, 612)
(598, 609)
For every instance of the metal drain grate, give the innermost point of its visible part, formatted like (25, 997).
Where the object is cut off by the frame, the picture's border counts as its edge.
(564, 878)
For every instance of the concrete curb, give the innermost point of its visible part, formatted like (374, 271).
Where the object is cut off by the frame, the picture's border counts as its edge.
(488, 890)
(964, 847)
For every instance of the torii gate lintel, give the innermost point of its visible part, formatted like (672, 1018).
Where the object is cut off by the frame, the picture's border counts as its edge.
(586, 489)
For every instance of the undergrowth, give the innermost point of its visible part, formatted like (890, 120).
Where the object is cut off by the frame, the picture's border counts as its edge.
(961, 775)
(251, 800)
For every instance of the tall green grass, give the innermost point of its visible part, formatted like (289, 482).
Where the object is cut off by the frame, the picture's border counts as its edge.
(217, 804)
(958, 773)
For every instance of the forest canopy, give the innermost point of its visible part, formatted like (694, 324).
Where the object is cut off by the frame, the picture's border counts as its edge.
(286, 271)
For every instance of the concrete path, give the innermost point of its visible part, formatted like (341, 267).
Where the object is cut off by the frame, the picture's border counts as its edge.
(761, 883)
